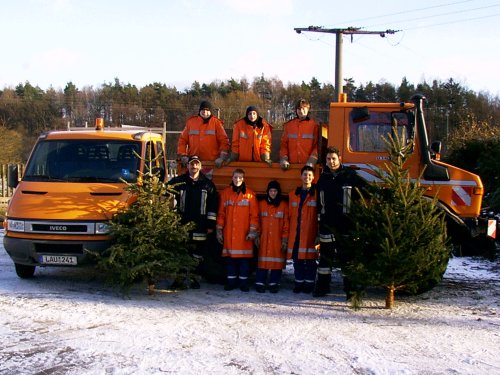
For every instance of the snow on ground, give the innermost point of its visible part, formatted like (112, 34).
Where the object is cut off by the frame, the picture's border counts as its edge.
(64, 321)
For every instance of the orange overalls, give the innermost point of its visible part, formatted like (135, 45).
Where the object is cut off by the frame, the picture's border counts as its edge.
(307, 227)
(251, 142)
(299, 141)
(207, 140)
(273, 229)
(238, 213)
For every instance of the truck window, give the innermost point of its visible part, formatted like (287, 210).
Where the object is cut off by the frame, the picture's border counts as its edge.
(368, 134)
(84, 161)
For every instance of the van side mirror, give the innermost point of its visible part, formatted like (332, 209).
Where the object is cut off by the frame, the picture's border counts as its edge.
(12, 176)
(436, 150)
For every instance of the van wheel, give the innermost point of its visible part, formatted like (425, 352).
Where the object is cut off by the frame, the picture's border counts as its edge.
(24, 272)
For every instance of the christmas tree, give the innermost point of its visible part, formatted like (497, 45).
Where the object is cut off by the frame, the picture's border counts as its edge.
(399, 239)
(149, 241)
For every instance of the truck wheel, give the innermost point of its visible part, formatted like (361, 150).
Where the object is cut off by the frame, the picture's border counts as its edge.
(24, 272)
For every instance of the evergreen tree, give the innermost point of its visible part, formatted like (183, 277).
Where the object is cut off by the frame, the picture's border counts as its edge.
(399, 239)
(149, 241)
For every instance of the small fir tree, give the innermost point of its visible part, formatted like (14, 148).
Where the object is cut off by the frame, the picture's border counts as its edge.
(149, 241)
(399, 239)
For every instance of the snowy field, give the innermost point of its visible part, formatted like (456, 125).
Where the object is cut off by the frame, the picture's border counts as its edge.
(64, 321)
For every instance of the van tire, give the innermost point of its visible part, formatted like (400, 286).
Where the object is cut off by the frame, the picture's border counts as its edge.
(24, 271)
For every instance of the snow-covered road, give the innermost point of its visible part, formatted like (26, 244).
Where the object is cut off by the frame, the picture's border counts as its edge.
(64, 321)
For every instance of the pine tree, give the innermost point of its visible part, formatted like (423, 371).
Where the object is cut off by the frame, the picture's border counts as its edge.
(149, 241)
(399, 239)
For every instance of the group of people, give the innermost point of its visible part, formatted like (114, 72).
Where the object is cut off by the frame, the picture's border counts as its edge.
(302, 229)
(205, 137)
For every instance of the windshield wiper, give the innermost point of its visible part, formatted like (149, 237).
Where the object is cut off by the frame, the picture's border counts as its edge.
(43, 177)
(91, 179)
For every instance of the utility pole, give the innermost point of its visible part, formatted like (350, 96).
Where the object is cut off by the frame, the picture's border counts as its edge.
(339, 33)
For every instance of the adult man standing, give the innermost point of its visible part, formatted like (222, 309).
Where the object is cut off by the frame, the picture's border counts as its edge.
(196, 201)
(204, 136)
(299, 142)
(336, 187)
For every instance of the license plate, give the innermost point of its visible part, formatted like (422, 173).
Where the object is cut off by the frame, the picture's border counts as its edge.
(58, 259)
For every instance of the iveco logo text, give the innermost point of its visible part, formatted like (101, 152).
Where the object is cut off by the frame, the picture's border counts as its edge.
(58, 228)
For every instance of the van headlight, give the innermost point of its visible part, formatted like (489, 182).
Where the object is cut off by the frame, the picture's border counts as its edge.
(15, 225)
(102, 228)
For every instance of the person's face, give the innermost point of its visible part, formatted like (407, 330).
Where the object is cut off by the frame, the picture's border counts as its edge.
(238, 179)
(307, 178)
(302, 112)
(273, 193)
(205, 113)
(252, 116)
(194, 168)
(332, 161)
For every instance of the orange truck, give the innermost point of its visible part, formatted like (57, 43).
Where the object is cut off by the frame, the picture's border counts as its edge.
(72, 185)
(357, 130)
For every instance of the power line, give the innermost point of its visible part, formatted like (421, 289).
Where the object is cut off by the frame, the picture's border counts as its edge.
(408, 11)
(451, 22)
(442, 14)
(339, 33)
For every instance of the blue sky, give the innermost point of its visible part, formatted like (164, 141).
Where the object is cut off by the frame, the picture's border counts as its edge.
(90, 42)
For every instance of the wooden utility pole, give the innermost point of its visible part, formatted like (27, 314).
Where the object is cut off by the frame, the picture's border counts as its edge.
(338, 49)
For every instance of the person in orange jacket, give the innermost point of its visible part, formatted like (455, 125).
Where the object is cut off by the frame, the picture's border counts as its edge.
(204, 135)
(236, 229)
(273, 239)
(251, 138)
(299, 141)
(303, 232)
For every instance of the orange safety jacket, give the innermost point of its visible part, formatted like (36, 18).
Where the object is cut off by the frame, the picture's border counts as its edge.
(273, 229)
(238, 214)
(308, 225)
(299, 140)
(207, 140)
(251, 142)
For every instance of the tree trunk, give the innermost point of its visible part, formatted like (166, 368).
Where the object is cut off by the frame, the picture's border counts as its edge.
(389, 297)
(151, 287)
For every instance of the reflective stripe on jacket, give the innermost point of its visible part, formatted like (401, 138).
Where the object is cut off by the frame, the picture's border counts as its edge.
(251, 142)
(307, 227)
(299, 141)
(207, 140)
(273, 229)
(238, 213)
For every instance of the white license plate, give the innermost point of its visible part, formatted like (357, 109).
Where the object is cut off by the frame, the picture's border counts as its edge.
(58, 259)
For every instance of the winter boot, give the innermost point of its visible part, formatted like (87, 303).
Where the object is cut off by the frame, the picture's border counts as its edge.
(260, 288)
(298, 287)
(322, 287)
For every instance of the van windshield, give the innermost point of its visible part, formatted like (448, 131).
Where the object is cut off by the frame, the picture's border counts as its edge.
(84, 161)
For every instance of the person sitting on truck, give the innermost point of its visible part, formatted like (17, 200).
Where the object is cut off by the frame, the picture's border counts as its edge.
(299, 141)
(273, 239)
(251, 138)
(237, 228)
(196, 201)
(336, 187)
(302, 232)
(204, 136)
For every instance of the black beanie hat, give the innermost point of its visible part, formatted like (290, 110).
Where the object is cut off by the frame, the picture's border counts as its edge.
(274, 185)
(250, 109)
(205, 105)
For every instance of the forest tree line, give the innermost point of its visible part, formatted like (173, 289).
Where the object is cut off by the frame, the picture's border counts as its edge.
(455, 114)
